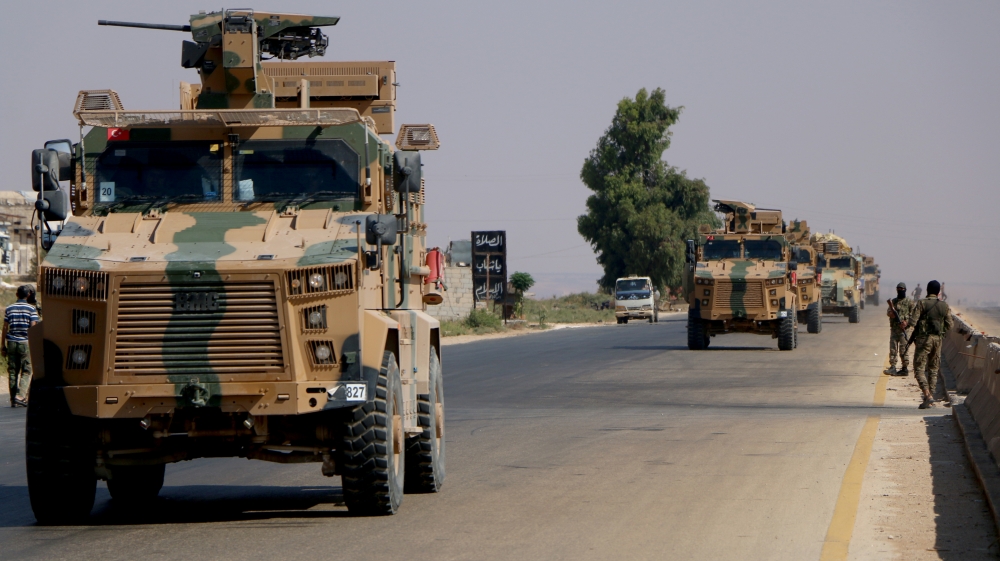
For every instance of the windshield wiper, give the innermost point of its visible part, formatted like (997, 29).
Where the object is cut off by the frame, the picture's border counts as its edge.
(299, 199)
(155, 201)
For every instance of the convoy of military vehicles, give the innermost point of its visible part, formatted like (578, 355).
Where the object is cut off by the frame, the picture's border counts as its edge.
(245, 277)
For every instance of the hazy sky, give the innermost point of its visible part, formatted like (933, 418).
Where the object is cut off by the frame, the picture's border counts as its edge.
(879, 120)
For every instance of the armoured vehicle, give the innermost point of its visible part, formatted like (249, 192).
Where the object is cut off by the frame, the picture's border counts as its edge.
(238, 278)
(636, 298)
(871, 275)
(741, 278)
(810, 309)
(841, 274)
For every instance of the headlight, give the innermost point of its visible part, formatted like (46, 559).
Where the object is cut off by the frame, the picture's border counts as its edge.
(58, 283)
(79, 356)
(322, 352)
(81, 284)
(773, 292)
(296, 283)
(316, 281)
(83, 322)
(340, 279)
(315, 318)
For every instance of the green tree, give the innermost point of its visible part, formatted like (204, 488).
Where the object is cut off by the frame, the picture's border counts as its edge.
(642, 209)
(521, 283)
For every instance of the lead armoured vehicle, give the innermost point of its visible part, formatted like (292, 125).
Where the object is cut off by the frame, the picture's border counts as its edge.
(741, 278)
(841, 274)
(239, 278)
(810, 309)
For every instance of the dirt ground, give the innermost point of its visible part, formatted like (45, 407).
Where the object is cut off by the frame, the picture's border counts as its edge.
(920, 499)
(984, 319)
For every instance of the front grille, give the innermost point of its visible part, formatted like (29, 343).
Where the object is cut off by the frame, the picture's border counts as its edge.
(829, 292)
(753, 295)
(205, 328)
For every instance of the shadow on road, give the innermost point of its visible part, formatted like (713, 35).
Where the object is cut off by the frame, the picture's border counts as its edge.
(964, 527)
(197, 504)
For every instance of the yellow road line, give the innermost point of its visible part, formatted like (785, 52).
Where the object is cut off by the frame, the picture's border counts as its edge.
(838, 535)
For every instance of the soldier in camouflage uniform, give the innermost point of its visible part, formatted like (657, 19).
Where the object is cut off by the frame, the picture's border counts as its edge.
(932, 319)
(897, 326)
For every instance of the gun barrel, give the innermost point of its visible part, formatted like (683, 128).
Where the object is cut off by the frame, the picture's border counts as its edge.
(165, 26)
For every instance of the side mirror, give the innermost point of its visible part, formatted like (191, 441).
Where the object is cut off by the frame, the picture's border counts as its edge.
(689, 255)
(380, 229)
(55, 205)
(65, 150)
(407, 171)
(44, 169)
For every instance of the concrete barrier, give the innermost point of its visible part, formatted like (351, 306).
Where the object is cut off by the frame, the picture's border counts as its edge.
(974, 359)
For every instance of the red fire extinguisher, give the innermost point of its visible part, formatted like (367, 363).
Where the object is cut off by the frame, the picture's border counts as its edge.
(435, 262)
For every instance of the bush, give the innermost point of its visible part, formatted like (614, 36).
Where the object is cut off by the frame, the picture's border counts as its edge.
(483, 319)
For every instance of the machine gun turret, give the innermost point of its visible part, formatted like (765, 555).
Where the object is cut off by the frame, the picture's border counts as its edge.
(235, 40)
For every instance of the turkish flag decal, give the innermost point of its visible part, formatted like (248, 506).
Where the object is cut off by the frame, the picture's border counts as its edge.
(117, 134)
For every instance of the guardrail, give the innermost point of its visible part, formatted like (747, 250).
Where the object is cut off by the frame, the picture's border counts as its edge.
(974, 359)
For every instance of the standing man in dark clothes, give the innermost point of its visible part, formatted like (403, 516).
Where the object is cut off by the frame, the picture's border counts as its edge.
(932, 319)
(18, 317)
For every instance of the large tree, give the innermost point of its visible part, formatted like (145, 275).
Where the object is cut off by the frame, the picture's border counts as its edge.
(642, 209)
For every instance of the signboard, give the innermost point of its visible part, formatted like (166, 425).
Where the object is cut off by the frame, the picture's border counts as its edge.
(489, 265)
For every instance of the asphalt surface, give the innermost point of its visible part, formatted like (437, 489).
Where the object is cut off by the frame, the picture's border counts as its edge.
(591, 443)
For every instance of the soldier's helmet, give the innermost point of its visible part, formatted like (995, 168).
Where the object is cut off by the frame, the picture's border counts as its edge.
(901, 285)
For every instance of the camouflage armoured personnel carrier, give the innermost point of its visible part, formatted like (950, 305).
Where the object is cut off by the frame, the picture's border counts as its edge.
(871, 275)
(741, 279)
(239, 278)
(841, 274)
(810, 309)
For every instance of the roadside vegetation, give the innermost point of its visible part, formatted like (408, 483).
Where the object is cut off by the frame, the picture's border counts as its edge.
(537, 314)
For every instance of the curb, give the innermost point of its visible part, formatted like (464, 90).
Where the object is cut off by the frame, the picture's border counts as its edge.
(986, 470)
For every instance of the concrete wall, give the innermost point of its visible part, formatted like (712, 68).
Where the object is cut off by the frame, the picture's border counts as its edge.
(974, 359)
(458, 298)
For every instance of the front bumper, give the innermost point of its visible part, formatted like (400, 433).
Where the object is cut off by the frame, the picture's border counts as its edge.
(256, 398)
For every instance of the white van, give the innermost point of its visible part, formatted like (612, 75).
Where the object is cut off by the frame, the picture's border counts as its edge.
(636, 298)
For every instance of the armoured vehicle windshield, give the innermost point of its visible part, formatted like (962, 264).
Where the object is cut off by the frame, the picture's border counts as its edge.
(273, 170)
(841, 263)
(766, 250)
(264, 170)
(714, 250)
(871, 269)
(140, 171)
(800, 255)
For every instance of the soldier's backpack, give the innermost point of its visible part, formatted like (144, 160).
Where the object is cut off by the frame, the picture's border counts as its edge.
(934, 318)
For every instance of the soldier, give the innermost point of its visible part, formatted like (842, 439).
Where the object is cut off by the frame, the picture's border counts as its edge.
(897, 333)
(917, 292)
(18, 317)
(932, 319)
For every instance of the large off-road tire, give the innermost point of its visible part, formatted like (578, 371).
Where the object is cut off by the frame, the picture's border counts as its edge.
(371, 456)
(625, 320)
(786, 333)
(814, 324)
(875, 298)
(60, 455)
(425, 455)
(619, 320)
(854, 315)
(135, 486)
(697, 335)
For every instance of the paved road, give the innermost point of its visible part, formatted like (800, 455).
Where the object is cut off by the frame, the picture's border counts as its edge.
(593, 443)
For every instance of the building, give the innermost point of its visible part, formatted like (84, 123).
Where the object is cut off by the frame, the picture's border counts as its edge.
(16, 236)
